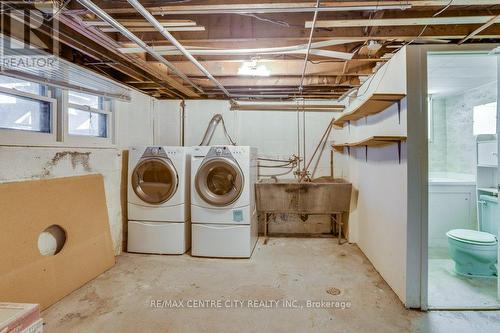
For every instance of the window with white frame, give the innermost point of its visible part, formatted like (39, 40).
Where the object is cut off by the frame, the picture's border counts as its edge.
(32, 113)
(88, 115)
(25, 111)
(485, 119)
(88, 118)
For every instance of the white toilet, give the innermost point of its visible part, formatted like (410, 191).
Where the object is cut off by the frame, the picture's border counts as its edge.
(474, 252)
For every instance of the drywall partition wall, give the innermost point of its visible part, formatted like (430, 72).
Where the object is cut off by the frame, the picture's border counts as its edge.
(379, 174)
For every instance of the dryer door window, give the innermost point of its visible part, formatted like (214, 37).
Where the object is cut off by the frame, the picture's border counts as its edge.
(219, 181)
(154, 180)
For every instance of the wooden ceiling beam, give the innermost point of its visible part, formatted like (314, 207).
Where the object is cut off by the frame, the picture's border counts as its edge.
(392, 22)
(384, 36)
(151, 29)
(274, 7)
(157, 73)
(258, 37)
(275, 81)
(140, 23)
(278, 67)
(481, 28)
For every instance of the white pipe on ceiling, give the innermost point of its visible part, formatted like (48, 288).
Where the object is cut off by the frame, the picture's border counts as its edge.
(294, 49)
(105, 17)
(161, 29)
(264, 10)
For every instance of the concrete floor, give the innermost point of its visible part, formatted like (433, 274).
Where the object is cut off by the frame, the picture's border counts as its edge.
(295, 269)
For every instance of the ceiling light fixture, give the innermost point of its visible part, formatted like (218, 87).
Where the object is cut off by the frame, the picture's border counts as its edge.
(251, 68)
(373, 45)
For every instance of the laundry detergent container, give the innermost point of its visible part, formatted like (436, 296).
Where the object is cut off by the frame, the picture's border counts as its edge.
(474, 252)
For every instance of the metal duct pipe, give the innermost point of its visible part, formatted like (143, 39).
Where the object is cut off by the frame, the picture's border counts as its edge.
(161, 29)
(115, 24)
(209, 133)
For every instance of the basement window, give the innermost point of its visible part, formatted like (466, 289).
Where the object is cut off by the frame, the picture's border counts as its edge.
(26, 114)
(88, 118)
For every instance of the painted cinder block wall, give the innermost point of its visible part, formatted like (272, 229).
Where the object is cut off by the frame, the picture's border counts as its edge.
(274, 133)
(133, 127)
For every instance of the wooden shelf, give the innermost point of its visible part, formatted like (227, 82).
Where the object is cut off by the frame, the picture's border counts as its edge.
(374, 104)
(374, 141)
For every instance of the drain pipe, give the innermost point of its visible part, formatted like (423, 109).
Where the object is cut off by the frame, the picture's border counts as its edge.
(161, 29)
(115, 24)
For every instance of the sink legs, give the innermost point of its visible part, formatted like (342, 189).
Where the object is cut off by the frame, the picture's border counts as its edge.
(337, 225)
(266, 222)
(336, 220)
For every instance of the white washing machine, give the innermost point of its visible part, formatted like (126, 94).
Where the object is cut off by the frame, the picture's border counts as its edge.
(158, 200)
(223, 210)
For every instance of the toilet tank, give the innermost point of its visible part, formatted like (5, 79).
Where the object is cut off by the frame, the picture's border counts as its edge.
(488, 214)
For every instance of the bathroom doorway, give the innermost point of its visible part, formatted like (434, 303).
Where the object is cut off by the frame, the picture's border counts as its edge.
(463, 207)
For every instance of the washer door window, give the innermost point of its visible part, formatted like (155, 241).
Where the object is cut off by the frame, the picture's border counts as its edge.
(219, 181)
(154, 180)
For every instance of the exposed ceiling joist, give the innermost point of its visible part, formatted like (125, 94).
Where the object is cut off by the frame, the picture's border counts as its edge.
(154, 22)
(229, 52)
(274, 81)
(402, 21)
(150, 29)
(141, 23)
(105, 17)
(242, 36)
(280, 67)
(377, 36)
(481, 28)
(281, 7)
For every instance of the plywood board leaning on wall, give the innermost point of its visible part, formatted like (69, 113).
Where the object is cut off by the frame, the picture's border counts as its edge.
(75, 204)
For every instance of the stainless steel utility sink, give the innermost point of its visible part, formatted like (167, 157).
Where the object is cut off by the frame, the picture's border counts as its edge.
(322, 196)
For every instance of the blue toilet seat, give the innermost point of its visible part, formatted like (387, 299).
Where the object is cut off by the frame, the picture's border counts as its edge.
(472, 237)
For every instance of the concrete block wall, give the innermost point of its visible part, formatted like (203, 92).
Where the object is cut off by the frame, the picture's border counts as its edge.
(133, 126)
(274, 133)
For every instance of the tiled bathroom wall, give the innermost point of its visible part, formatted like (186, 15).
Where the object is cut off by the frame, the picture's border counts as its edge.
(452, 146)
